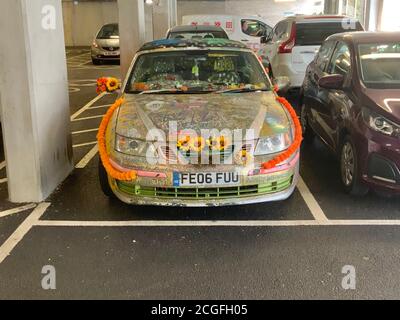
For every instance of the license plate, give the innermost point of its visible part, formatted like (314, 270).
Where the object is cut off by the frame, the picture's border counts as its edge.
(114, 53)
(206, 179)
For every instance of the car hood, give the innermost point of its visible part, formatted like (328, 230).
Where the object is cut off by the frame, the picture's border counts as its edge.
(387, 101)
(108, 42)
(258, 111)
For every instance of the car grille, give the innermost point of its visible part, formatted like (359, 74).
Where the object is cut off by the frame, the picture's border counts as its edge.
(111, 48)
(205, 193)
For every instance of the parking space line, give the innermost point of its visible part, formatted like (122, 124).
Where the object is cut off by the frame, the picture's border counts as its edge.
(87, 158)
(87, 106)
(3, 180)
(17, 210)
(88, 118)
(22, 230)
(312, 203)
(100, 107)
(212, 223)
(85, 131)
(84, 144)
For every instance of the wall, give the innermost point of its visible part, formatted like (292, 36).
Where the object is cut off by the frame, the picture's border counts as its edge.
(84, 19)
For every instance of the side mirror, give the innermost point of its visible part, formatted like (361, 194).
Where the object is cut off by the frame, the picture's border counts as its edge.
(282, 85)
(334, 82)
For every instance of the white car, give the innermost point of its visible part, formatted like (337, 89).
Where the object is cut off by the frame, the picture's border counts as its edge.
(246, 29)
(296, 40)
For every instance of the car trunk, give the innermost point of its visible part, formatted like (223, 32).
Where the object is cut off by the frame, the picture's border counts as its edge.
(310, 36)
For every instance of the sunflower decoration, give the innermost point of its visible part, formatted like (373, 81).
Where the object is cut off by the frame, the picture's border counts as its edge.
(243, 157)
(218, 144)
(183, 143)
(105, 84)
(197, 144)
(112, 84)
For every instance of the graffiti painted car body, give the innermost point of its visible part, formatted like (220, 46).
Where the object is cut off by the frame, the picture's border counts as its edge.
(163, 105)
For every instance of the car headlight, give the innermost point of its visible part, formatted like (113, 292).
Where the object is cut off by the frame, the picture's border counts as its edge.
(380, 124)
(273, 144)
(134, 147)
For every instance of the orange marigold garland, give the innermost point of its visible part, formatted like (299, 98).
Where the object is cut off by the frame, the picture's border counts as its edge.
(101, 138)
(297, 139)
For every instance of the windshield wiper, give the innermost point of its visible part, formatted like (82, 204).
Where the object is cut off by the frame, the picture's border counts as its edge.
(241, 90)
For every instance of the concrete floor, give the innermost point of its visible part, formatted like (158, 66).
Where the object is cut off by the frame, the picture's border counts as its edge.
(105, 249)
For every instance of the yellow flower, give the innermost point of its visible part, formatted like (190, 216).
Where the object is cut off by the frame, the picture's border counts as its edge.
(112, 84)
(217, 144)
(184, 144)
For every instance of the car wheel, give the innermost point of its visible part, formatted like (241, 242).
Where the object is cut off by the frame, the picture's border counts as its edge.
(96, 62)
(308, 133)
(103, 179)
(349, 172)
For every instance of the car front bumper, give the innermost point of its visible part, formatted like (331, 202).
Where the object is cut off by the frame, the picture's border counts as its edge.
(101, 54)
(274, 186)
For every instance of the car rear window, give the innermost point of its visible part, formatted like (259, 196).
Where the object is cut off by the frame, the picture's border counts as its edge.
(198, 35)
(313, 34)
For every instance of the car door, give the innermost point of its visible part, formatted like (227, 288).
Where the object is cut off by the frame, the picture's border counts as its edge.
(315, 71)
(330, 107)
(252, 31)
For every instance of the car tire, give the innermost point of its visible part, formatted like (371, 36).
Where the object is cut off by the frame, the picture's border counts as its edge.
(104, 183)
(96, 62)
(308, 133)
(349, 170)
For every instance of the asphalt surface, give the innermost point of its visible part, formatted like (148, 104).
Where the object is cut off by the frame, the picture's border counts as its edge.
(291, 261)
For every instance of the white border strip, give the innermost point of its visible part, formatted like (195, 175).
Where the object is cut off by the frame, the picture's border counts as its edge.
(5, 180)
(85, 131)
(88, 118)
(16, 210)
(87, 106)
(312, 203)
(87, 158)
(84, 144)
(209, 223)
(22, 230)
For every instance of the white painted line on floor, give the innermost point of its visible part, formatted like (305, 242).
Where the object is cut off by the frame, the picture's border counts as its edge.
(87, 158)
(101, 107)
(194, 223)
(17, 210)
(85, 131)
(87, 106)
(3, 180)
(2, 165)
(84, 144)
(206, 223)
(312, 203)
(88, 118)
(22, 230)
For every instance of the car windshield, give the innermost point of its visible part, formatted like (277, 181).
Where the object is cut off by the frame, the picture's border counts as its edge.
(380, 65)
(315, 33)
(110, 31)
(197, 71)
(198, 35)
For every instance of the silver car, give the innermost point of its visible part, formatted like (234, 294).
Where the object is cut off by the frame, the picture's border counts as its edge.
(105, 46)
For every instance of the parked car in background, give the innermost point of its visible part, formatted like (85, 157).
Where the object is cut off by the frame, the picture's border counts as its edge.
(196, 32)
(246, 29)
(351, 100)
(294, 41)
(105, 46)
(176, 87)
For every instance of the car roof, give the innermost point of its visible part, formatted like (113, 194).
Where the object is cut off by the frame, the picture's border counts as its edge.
(317, 18)
(199, 43)
(191, 28)
(366, 37)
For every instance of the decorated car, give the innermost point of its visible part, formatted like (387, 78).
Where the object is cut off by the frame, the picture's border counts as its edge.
(198, 123)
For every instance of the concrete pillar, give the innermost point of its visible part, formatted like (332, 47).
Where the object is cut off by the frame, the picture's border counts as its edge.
(132, 30)
(374, 15)
(34, 98)
(165, 16)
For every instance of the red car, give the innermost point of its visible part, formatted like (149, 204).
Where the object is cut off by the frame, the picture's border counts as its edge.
(350, 99)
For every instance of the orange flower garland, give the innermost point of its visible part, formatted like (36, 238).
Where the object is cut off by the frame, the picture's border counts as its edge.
(101, 138)
(297, 140)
